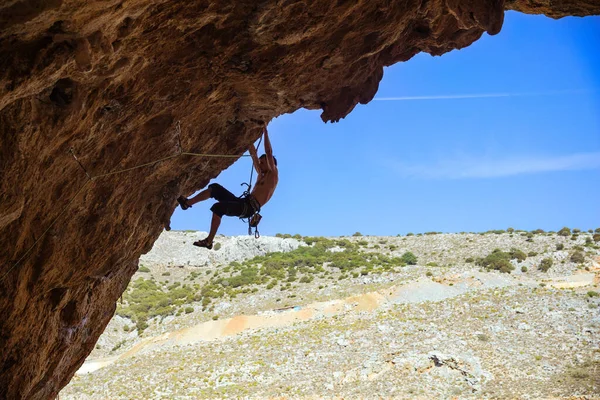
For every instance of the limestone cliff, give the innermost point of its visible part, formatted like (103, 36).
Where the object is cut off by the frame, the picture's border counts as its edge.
(113, 80)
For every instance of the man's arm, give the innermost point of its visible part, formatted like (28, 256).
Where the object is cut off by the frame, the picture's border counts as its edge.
(269, 151)
(252, 152)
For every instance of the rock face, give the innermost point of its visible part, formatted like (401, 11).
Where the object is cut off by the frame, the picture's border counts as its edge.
(123, 83)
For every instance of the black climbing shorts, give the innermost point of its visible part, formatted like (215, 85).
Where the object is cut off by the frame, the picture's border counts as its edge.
(229, 204)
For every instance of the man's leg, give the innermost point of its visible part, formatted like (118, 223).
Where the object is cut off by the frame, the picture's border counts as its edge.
(214, 226)
(203, 195)
(213, 190)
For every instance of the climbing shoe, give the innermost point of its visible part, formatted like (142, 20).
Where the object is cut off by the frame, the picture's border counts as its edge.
(204, 243)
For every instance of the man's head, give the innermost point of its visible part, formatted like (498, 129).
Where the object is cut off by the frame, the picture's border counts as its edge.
(263, 162)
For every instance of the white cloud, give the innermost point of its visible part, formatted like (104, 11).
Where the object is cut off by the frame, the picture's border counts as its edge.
(481, 95)
(469, 167)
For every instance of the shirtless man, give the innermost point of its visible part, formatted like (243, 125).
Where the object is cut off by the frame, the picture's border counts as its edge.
(233, 206)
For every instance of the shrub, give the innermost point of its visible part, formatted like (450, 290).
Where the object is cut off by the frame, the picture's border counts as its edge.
(409, 258)
(560, 246)
(362, 243)
(143, 269)
(189, 310)
(578, 257)
(523, 269)
(576, 230)
(306, 279)
(564, 232)
(429, 273)
(545, 264)
(516, 254)
(432, 264)
(497, 260)
(538, 231)
(166, 274)
(596, 237)
(510, 230)
(591, 293)
(412, 234)
(357, 234)
(597, 230)
(215, 317)
(126, 328)
(469, 260)
(217, 246)
(588, 240)
(532, 254)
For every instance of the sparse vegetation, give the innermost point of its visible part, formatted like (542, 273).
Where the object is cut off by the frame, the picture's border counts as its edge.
(560, 246)
(565, 232)
(545, 265)
(409, 258)
(143, 269)
(217, 246)
(578, 257)
(497, 260)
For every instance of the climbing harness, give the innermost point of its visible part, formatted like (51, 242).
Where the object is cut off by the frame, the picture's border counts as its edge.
(90, 178)
(255, 217)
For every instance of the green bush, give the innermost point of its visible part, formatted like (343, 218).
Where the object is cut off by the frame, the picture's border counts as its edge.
(126, 328)
(143, 269)
(532, 254)
(409, 258)
(578, 257)
(429, 273)
(510, 230)
(497, 260)
(591, 293)
(565, 232)
(357, 234)
(538, 231)
(166, 274)
(596, 237)
(189, 310)
(523, 269)
(560, 246)
(217, 246)
(432, 264)
(410, 234)
(469, 260)
(516, 254)
(597, 230)
(576, 230)
(545, 264)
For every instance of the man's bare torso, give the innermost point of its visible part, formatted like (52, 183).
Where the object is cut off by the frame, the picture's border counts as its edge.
(265, 186)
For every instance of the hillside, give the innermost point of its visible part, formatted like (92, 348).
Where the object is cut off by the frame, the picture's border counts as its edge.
(467, 315)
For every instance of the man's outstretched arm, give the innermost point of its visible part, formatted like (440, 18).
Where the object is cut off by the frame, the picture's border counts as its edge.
(269, 150)
(255, 161)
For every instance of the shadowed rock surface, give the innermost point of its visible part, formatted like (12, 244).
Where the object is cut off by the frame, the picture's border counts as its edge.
(111, 80)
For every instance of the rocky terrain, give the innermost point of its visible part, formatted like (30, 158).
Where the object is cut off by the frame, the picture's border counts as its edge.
(418, 316)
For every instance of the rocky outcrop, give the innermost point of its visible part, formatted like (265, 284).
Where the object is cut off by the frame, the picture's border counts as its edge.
(123, 83)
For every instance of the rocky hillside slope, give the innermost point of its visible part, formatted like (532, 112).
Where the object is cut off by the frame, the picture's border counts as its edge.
(420, 316)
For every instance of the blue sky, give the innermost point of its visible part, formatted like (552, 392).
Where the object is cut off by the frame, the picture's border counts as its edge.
(503, 133)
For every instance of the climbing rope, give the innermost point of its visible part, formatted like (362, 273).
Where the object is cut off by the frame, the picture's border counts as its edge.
(91, 178)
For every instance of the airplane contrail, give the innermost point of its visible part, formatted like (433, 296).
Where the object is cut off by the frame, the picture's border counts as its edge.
(481, 95)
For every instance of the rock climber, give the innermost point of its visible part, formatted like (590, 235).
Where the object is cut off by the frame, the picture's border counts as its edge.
(243, 206)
